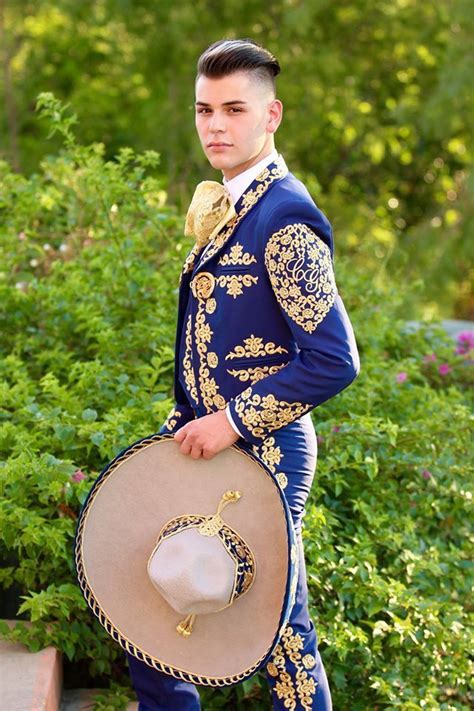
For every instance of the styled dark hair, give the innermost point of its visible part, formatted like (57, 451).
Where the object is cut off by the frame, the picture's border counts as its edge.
(232, 55)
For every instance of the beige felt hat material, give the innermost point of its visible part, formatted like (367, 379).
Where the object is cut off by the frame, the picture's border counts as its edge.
(190, 565)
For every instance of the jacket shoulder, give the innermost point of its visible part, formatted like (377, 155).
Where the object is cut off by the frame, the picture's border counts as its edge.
(289, 202)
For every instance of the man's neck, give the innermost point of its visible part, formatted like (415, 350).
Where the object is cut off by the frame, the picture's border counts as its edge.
(264, 153)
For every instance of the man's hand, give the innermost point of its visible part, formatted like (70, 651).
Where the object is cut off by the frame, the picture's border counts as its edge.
(206, 436)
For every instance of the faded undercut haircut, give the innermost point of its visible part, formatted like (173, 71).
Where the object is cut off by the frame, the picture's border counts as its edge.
(228, 56)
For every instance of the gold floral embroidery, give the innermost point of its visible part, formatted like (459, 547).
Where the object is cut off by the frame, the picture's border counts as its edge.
(207, 385)
(235, 282)
(254, 347)
(265, 178)
(189, 377)
(300, 269)
(172, 419)
(270, 454)
(289, 649)
(261, 414)
(272, 457)
(189, 261)
(255, 374)
(237, 256)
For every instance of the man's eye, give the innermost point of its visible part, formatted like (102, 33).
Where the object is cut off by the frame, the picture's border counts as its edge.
(238, 111)
(202, 111)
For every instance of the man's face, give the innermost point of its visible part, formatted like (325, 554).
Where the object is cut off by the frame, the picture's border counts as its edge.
(236, 117)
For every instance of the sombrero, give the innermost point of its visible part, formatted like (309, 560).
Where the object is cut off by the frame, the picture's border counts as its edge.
(190, 565)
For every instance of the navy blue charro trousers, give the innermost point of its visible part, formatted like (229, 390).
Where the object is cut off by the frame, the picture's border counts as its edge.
(295, 672)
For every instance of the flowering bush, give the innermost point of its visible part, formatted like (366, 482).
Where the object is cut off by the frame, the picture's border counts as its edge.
(91, 257)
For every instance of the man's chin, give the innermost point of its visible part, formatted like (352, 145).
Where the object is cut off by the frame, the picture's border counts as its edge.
(219, 162)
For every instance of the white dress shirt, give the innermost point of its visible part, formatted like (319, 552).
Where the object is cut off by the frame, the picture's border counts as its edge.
(236, 187)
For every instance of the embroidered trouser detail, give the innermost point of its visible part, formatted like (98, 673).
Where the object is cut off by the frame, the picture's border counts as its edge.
(295, 672)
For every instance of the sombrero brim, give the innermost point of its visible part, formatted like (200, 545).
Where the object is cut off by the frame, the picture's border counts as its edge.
(145, 486)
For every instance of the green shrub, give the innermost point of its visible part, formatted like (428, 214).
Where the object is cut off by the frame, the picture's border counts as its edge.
(86, 343)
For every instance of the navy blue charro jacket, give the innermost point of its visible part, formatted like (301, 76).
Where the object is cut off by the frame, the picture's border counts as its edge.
(261, 326)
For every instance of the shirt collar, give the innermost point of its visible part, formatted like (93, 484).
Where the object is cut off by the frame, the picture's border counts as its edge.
(238, 185)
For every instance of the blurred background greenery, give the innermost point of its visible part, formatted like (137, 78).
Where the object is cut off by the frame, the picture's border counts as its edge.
(377, 112)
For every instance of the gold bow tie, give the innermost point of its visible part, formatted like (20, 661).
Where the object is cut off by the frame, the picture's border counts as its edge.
(211, 208)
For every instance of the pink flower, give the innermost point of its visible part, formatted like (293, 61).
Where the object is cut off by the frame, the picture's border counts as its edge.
(465, 341)
(336, 428)
(444, 369)
(78, 475)
(320, 439)
(426, 474)
(401, 377)
(429, 357)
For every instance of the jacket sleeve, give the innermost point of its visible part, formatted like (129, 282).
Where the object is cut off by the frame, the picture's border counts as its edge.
(298, 261)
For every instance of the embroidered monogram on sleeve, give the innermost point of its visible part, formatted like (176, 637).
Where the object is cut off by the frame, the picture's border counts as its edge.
(300, 269)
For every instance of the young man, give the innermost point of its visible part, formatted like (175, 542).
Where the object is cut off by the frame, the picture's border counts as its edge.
(262, 337)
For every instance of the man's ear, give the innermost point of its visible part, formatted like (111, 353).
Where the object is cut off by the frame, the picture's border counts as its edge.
(275, 115)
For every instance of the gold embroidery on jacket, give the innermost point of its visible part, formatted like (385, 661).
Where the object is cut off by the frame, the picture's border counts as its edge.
(254, 347)
(255, 374)
(262, 414)
(210, 305)
(234, 283)
(207, 385)
(172, 419)
(289, 649)
(300, 269)
(189, 377)
(237, 256)
(212, 359)
(265, 178)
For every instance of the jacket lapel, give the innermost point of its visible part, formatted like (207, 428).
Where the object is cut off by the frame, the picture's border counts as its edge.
(271, 173)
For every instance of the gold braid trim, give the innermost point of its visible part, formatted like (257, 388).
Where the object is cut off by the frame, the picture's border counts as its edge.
(262, 414)
(300, 269)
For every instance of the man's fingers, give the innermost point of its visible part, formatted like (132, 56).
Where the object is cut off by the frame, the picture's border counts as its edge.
(180, 434)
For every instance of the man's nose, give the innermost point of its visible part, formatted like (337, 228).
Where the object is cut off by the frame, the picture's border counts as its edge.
(217, 122)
